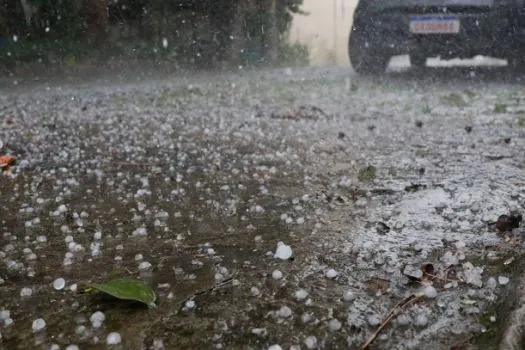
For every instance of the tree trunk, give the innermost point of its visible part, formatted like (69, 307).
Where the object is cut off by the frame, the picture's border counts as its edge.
(95, 13)
(271, 32)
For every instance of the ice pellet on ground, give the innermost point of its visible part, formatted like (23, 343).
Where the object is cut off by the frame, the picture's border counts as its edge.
(144, 266)
(301, 294)
(72, 347)
(59, 283)
(4, 315)
(284, 312)
(502, 280)
(348, 295)
(38, 325)
(430, 292)
(255, 291)
(310, 342)
(190, 304)
(275, 347)
(374, 320)
(283, 252)
(277, 275)
(97, 318)
(26, 292)
(330, 273)
(113, 338)
(334, 325)
(421, 320)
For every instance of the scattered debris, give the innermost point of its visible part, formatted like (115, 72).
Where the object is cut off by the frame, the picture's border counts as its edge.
(382, 228)
(400, 307)
(506, 223)
(367, 173)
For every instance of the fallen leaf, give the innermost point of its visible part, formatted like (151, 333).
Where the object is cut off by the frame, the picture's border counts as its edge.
(127, 289)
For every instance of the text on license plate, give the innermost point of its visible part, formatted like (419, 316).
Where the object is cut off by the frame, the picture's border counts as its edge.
(434, 24)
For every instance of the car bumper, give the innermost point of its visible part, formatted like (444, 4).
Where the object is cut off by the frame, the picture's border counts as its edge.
(493, 32)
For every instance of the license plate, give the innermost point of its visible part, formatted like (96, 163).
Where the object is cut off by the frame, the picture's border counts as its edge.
(434, 24)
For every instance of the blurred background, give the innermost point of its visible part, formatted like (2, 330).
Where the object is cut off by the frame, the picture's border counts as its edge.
(196, 33)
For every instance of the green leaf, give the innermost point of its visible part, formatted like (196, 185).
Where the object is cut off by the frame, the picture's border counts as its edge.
(127, 289)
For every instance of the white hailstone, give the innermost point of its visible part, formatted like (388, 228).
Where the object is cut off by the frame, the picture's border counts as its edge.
(301, 294)
(73, 287)
(38, 325)
(503, 280)
(403, 320)
(59, 283)
(277, 275)
(374, 320)
(283, 252)
(97, 235)
(62, 209)
(275, 347)
(284, 216)
(255, 291)
(330, 273)
(144, 266)
(284, 312)
(141, 231)
(4, 315)
(305, 318)
(97, 318)
(210, 251)
(26, 292)
(68, 239)
(421, 320)
(72, 347)
(113, 338)
(430, 292)
(334, 325)
(348, 295)
(288, 220)
(190, 304)
(8, 321)
(300, 220)
(41, 239)
(54, 347)
(139, 257)
(310, 342)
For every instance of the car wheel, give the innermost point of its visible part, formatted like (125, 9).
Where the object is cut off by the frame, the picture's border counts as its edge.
(418, 60)
(365, 56)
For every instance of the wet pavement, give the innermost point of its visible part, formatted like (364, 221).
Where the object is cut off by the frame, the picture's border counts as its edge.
(384, 188)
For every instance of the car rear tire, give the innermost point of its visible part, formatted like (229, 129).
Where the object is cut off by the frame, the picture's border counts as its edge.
(366, 57)
(418, 60)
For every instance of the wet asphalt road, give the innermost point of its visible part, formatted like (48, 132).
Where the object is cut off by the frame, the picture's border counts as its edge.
(201, 175)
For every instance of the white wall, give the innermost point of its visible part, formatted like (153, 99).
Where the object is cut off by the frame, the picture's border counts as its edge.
(325, 30)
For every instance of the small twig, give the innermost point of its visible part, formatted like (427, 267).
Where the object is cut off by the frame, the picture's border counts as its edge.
(393, 313)
(207, 290)
(445, 279)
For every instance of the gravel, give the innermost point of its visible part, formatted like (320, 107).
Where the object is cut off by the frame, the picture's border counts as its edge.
(191, 183)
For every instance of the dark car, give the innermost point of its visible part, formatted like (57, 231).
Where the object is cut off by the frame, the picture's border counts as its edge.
(431, 28)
